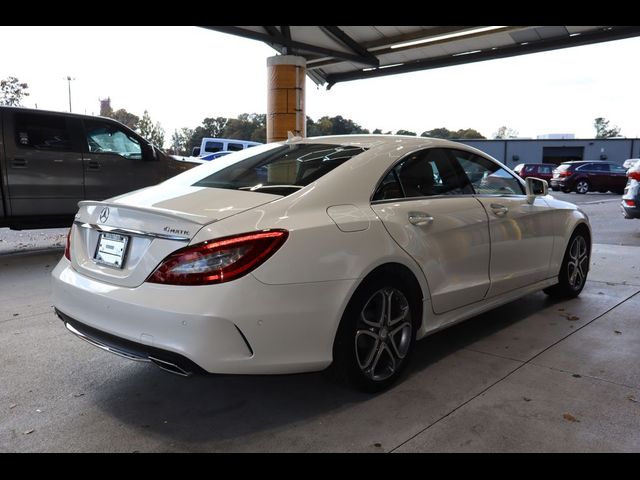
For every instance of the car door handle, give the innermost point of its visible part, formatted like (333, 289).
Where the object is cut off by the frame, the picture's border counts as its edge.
(19, 163)
(419, 219)
(93, 165)
(498, 209)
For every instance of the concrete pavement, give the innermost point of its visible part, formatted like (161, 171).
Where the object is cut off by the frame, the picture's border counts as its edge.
(533, 375)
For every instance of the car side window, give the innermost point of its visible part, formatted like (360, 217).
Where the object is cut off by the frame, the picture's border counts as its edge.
(389, 188)
(593, 168)
(618, 169)
(425, 173)
(43, 132)
(105, 137)
(530, 169)
(234, 147)
(548, 169)
(212, 147)
(486, 176)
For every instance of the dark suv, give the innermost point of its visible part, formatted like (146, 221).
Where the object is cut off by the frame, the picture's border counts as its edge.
(538, 170)
(49, 161)
(589, 176)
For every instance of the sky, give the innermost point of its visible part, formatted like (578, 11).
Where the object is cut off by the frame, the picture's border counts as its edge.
(183, 74)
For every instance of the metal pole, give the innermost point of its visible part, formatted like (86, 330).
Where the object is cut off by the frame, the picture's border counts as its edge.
(69, 81)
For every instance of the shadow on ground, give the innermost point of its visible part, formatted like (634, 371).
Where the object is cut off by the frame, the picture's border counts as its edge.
(220, 408)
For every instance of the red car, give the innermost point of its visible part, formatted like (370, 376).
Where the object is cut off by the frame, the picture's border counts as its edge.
(538, 170)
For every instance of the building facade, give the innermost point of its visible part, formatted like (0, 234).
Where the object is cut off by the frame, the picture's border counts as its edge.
(513, 151)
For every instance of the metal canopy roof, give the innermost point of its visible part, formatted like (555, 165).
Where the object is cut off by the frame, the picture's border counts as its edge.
(339, 54)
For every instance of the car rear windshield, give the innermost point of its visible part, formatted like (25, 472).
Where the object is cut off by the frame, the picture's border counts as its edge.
(563, 167)
(281, 170)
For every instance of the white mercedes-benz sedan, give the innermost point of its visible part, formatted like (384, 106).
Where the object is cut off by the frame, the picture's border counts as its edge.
(322, 252)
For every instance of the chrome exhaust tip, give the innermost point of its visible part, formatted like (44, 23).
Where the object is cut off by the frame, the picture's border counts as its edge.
(170, 367)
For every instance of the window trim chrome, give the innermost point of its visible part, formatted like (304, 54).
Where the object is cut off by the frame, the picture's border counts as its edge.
(439, 197)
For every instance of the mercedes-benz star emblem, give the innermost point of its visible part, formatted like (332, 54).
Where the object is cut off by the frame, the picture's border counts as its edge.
(104, 215)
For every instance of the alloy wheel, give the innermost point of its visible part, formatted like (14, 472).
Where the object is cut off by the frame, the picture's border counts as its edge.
(582, 187)
(383, 334)
(578, 262)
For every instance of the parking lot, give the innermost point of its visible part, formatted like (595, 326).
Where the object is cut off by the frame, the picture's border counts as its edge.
(533, 375)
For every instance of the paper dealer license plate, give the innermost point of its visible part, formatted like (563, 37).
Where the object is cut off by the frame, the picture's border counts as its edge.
(111, 249)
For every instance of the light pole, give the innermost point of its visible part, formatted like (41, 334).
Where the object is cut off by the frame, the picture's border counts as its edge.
(69, 80)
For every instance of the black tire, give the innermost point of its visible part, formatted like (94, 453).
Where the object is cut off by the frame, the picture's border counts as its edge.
(582, 186)
(368, 356)
(574, 269)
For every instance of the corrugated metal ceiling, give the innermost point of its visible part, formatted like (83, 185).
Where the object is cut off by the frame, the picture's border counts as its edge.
(342, 53)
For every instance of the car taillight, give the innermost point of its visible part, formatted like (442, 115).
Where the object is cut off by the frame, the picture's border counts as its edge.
(630, 203)
(634, 175)
(220, 260)
(565, 173)
(67, 248)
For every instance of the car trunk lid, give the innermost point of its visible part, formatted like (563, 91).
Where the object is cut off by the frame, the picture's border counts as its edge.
(122, 240)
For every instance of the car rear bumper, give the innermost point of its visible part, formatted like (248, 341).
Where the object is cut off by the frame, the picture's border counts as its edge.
(243, 327)
(557, 184)
(630, 212)
(631, 194)
(166, 360)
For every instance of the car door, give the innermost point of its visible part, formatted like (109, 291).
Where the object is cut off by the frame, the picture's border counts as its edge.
(428, 211)
(598, 174)
(545, 172)
(522, 234)
(43, 163)
(113, 161)
(529, 171)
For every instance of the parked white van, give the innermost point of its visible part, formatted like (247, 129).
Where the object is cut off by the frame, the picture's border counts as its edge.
(210, 147)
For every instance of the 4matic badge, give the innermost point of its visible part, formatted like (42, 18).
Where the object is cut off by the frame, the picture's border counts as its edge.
(176, 230)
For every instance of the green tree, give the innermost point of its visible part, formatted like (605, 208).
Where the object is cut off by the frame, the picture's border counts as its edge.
(406, 132)
(129, 119)
(337, 125)
(248, 126)
(505, 132)
(153, 133)
(214, 126)
(468, 133)
(602, 128)
(179, 141)
(313, 129)
(437, 133)
(12, 91)
(377, 131)
(211, 127)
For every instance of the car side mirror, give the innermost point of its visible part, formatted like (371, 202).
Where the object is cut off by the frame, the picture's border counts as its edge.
(535, 187)
(150, 153)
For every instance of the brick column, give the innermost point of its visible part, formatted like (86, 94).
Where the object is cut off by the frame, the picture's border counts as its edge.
(285, 99)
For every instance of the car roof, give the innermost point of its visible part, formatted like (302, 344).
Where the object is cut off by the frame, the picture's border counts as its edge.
(53, 112)
(372, 141)
(587, 161)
